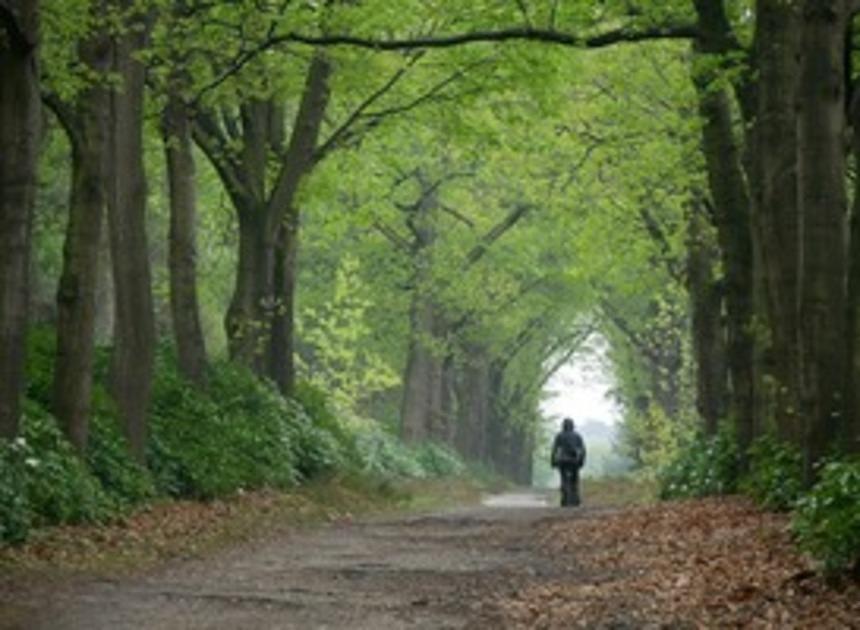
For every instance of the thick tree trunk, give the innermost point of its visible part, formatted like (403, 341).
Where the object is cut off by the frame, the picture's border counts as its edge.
(473, 406)
(182, 259)
(851, 438)
(822, 197)
(732, 219)
(282, 342)
(709, 342)
(134, 332)
(283, 218)
(19, 137)
(86, 125)
(247, 321)
(422, 378)
(775, 208)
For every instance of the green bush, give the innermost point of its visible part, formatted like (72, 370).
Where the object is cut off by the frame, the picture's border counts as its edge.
(235, 435)
(708, 465)
(124, 480)
(827, 519)
(438, 460)
(775, 477)
(383, 455)
(44, 481)
(16, 512)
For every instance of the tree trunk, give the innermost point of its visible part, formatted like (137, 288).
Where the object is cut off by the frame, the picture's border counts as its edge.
(709, 342)
(282, 215)
(822, 197)
(851, 438)
(282, 343)
(473, 406)
(19, 136)
(86, 126)
(421, 380)
(247, 321)
(182, 258)
(134, 332)
(775, 209)
(732, 220)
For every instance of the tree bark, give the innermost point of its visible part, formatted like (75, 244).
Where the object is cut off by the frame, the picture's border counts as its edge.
(182, 257)
(282, 217)
(775, 208)
(421, 380)
(282, 344)
(86, 124)
(731, 205)
(709, 342)
(822, 198)
(473, 405)
(19, 136)
(134, 332)
(851, 438)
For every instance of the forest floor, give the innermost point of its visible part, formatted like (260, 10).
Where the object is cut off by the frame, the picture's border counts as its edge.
(513, 561)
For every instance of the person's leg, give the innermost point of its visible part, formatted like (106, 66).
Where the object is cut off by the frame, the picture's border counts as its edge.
(562, 485)
(567, 494)
(574, 487)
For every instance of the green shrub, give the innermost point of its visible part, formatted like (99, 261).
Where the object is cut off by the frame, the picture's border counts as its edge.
(708, 465)
(44, 481)
(233, 436)
(438, 460)
(124, 480)
(775, 477)
(60, 487)
(383, 455)
(16, 512)
(41, 354)
(827, 519)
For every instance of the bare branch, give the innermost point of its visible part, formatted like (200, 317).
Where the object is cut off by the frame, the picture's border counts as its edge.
(546, 36)
(391, 234)
(495, 233)
(338, 135)
(457, 215)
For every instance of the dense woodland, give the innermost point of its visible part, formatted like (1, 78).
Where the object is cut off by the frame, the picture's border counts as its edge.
(411, 214)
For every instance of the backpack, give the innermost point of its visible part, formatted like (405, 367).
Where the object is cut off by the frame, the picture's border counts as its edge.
(569, 450)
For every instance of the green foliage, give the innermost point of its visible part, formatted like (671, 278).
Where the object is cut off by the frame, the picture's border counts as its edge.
(123, 479)
(827, 519)
(45, 481)
(704, 466)
(775, 477)
(206, 444)
(383, 455)
(16, 512)
(438, 460)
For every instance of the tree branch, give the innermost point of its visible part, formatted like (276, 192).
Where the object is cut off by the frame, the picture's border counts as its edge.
(495, 233)
(546, 36)
(338, 135)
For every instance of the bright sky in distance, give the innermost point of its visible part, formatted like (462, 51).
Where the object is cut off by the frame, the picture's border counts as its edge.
(579, 390)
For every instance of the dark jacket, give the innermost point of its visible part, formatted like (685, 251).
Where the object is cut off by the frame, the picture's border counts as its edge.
(568, 449)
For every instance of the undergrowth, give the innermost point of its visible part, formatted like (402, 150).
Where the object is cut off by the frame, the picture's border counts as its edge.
(237, 434)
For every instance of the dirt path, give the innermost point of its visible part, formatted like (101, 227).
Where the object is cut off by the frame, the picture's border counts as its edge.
(439, 570)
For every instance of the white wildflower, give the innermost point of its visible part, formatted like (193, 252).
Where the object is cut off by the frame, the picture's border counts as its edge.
(32, 462)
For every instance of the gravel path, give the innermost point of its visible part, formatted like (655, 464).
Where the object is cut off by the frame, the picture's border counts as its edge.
(437, 570)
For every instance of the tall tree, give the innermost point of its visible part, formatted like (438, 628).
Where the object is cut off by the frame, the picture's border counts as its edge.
(823, 206)
(19, 137)
(134, 331)
(85, 121)
(176, 130)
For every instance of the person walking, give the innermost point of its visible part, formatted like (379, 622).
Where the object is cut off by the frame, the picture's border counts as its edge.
(568, 455)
